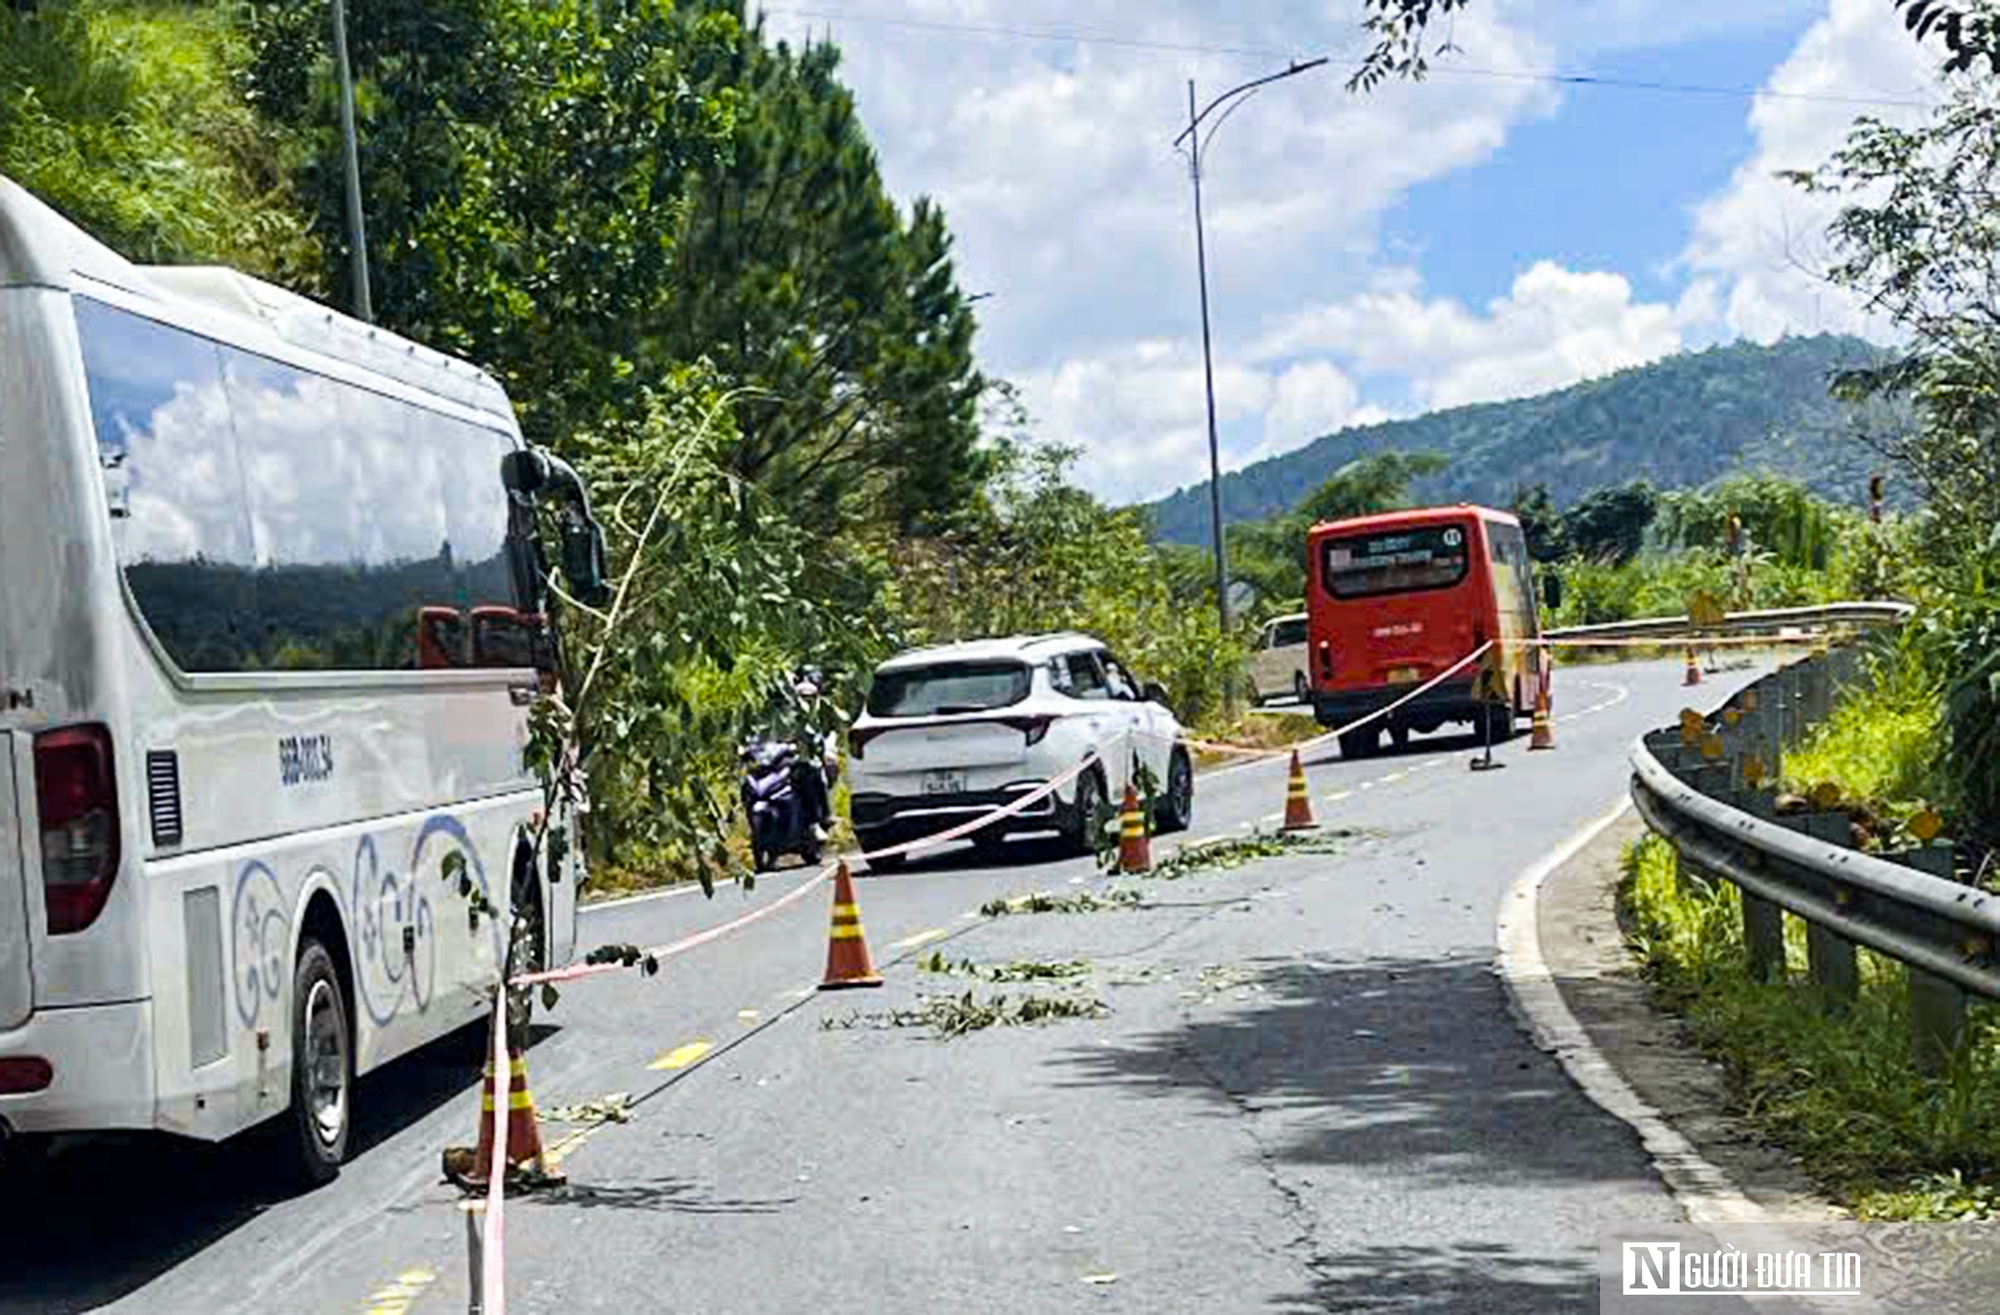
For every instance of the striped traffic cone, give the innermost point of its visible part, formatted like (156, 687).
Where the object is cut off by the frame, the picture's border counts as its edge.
(1298, 801)
(1135, 851)
(847, 962)
(1693, 676)
(1544, 735)
(524, 1134)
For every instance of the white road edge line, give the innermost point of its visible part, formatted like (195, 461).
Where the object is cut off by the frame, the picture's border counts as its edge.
(1704, 1191)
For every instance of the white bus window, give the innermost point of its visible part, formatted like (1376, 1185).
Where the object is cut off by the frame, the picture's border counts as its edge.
(346, 554)
(475, 508)
(382, 450)
(167, 443)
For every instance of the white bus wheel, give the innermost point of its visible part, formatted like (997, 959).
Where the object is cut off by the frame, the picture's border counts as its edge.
(322, 1065)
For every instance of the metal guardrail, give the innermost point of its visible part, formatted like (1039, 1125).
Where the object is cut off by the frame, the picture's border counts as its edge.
(1705, 787)
(1775, 620)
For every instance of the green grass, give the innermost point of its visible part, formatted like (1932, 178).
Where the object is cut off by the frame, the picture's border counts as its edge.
(1882, 746)
(128, 117)
(1838, 1093)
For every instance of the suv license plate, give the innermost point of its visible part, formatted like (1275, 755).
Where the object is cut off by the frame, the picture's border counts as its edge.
(944, 782)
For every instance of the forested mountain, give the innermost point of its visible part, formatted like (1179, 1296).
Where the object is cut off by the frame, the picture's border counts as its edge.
(1678, 422)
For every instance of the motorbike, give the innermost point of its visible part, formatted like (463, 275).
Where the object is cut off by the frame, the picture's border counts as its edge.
(774, 804)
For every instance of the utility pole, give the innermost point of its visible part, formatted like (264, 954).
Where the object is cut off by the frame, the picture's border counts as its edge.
(1208, 375)
(1196, 146)
(357, 236)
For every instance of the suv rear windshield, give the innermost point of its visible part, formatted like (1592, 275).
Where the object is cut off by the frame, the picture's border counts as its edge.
(947, 687)
(1394, 562)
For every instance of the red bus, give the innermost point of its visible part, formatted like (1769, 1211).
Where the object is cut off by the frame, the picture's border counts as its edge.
(1394, 600)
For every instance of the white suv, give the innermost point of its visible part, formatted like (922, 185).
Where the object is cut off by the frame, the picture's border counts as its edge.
(1278, 667)
(955, 731)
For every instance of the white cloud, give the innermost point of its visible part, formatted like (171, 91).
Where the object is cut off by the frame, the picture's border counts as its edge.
(1553, 328)
(1138, 412)
(1054, 162)
(1761, 241)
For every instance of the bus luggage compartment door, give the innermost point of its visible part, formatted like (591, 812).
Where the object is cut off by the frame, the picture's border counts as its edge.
(17, 983)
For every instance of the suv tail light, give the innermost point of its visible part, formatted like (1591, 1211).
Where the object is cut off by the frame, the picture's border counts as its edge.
(1033, 728)
(77, 797)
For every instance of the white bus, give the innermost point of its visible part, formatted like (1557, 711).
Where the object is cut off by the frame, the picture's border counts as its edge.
(248, 550)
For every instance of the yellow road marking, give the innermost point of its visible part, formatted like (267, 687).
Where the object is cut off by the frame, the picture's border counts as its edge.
(1368, 785)
(1393, 777)
(747, 1015)
(1339, 795)
(397, 1297)
(557, 1153)
(681, 1056)
(921, 938)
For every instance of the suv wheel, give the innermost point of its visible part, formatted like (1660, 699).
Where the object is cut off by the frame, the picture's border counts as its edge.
(1176, 809)
(1083, 813)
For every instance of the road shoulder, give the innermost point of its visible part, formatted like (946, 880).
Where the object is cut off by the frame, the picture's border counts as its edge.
(1629, 1057)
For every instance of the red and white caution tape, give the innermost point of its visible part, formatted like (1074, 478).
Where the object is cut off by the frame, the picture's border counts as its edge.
(1258, 751)
(493, 1255)
(577, 972)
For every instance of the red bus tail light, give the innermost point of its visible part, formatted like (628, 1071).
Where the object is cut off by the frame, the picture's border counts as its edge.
(77, 797)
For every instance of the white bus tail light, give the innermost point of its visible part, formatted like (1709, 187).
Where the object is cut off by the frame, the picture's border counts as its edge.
(77, 796)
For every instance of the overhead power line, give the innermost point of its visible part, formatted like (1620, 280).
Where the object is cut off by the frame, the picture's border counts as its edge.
(1083, 37)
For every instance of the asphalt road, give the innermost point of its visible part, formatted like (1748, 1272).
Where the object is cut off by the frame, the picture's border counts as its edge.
(1306, 1094)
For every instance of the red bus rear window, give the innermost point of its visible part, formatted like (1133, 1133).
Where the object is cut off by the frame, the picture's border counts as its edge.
(1394, 562)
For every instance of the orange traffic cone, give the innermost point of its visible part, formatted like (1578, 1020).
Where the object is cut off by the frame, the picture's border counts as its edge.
(847, 962)
(1544, 735)
(524, 1134)
(1693, 676)
(1298, 801)
(1135, 851)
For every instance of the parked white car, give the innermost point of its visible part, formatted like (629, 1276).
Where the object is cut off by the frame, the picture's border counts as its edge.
(957, 730)
(1278, 667)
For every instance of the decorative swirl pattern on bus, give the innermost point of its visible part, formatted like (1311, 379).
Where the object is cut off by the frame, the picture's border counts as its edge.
(260, 940)
(390, 916)
(389, 908)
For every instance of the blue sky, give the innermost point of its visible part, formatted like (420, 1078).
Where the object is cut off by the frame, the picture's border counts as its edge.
(1485, 234)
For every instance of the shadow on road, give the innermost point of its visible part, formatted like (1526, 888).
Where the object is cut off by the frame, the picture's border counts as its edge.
(1406, 1071)
(660, 1195)
(964, 856)
(105, 1216)
(1493, 1280)
(1420, 746)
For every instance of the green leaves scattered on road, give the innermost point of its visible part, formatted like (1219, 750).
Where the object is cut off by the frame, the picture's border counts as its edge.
(1043, 902)
(954, 1016)
(1021, 970)
(615, 1108)
(1235, 851)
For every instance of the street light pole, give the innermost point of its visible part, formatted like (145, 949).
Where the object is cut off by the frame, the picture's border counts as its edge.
(1192, 135)
(357, 237)
(1208, 376)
